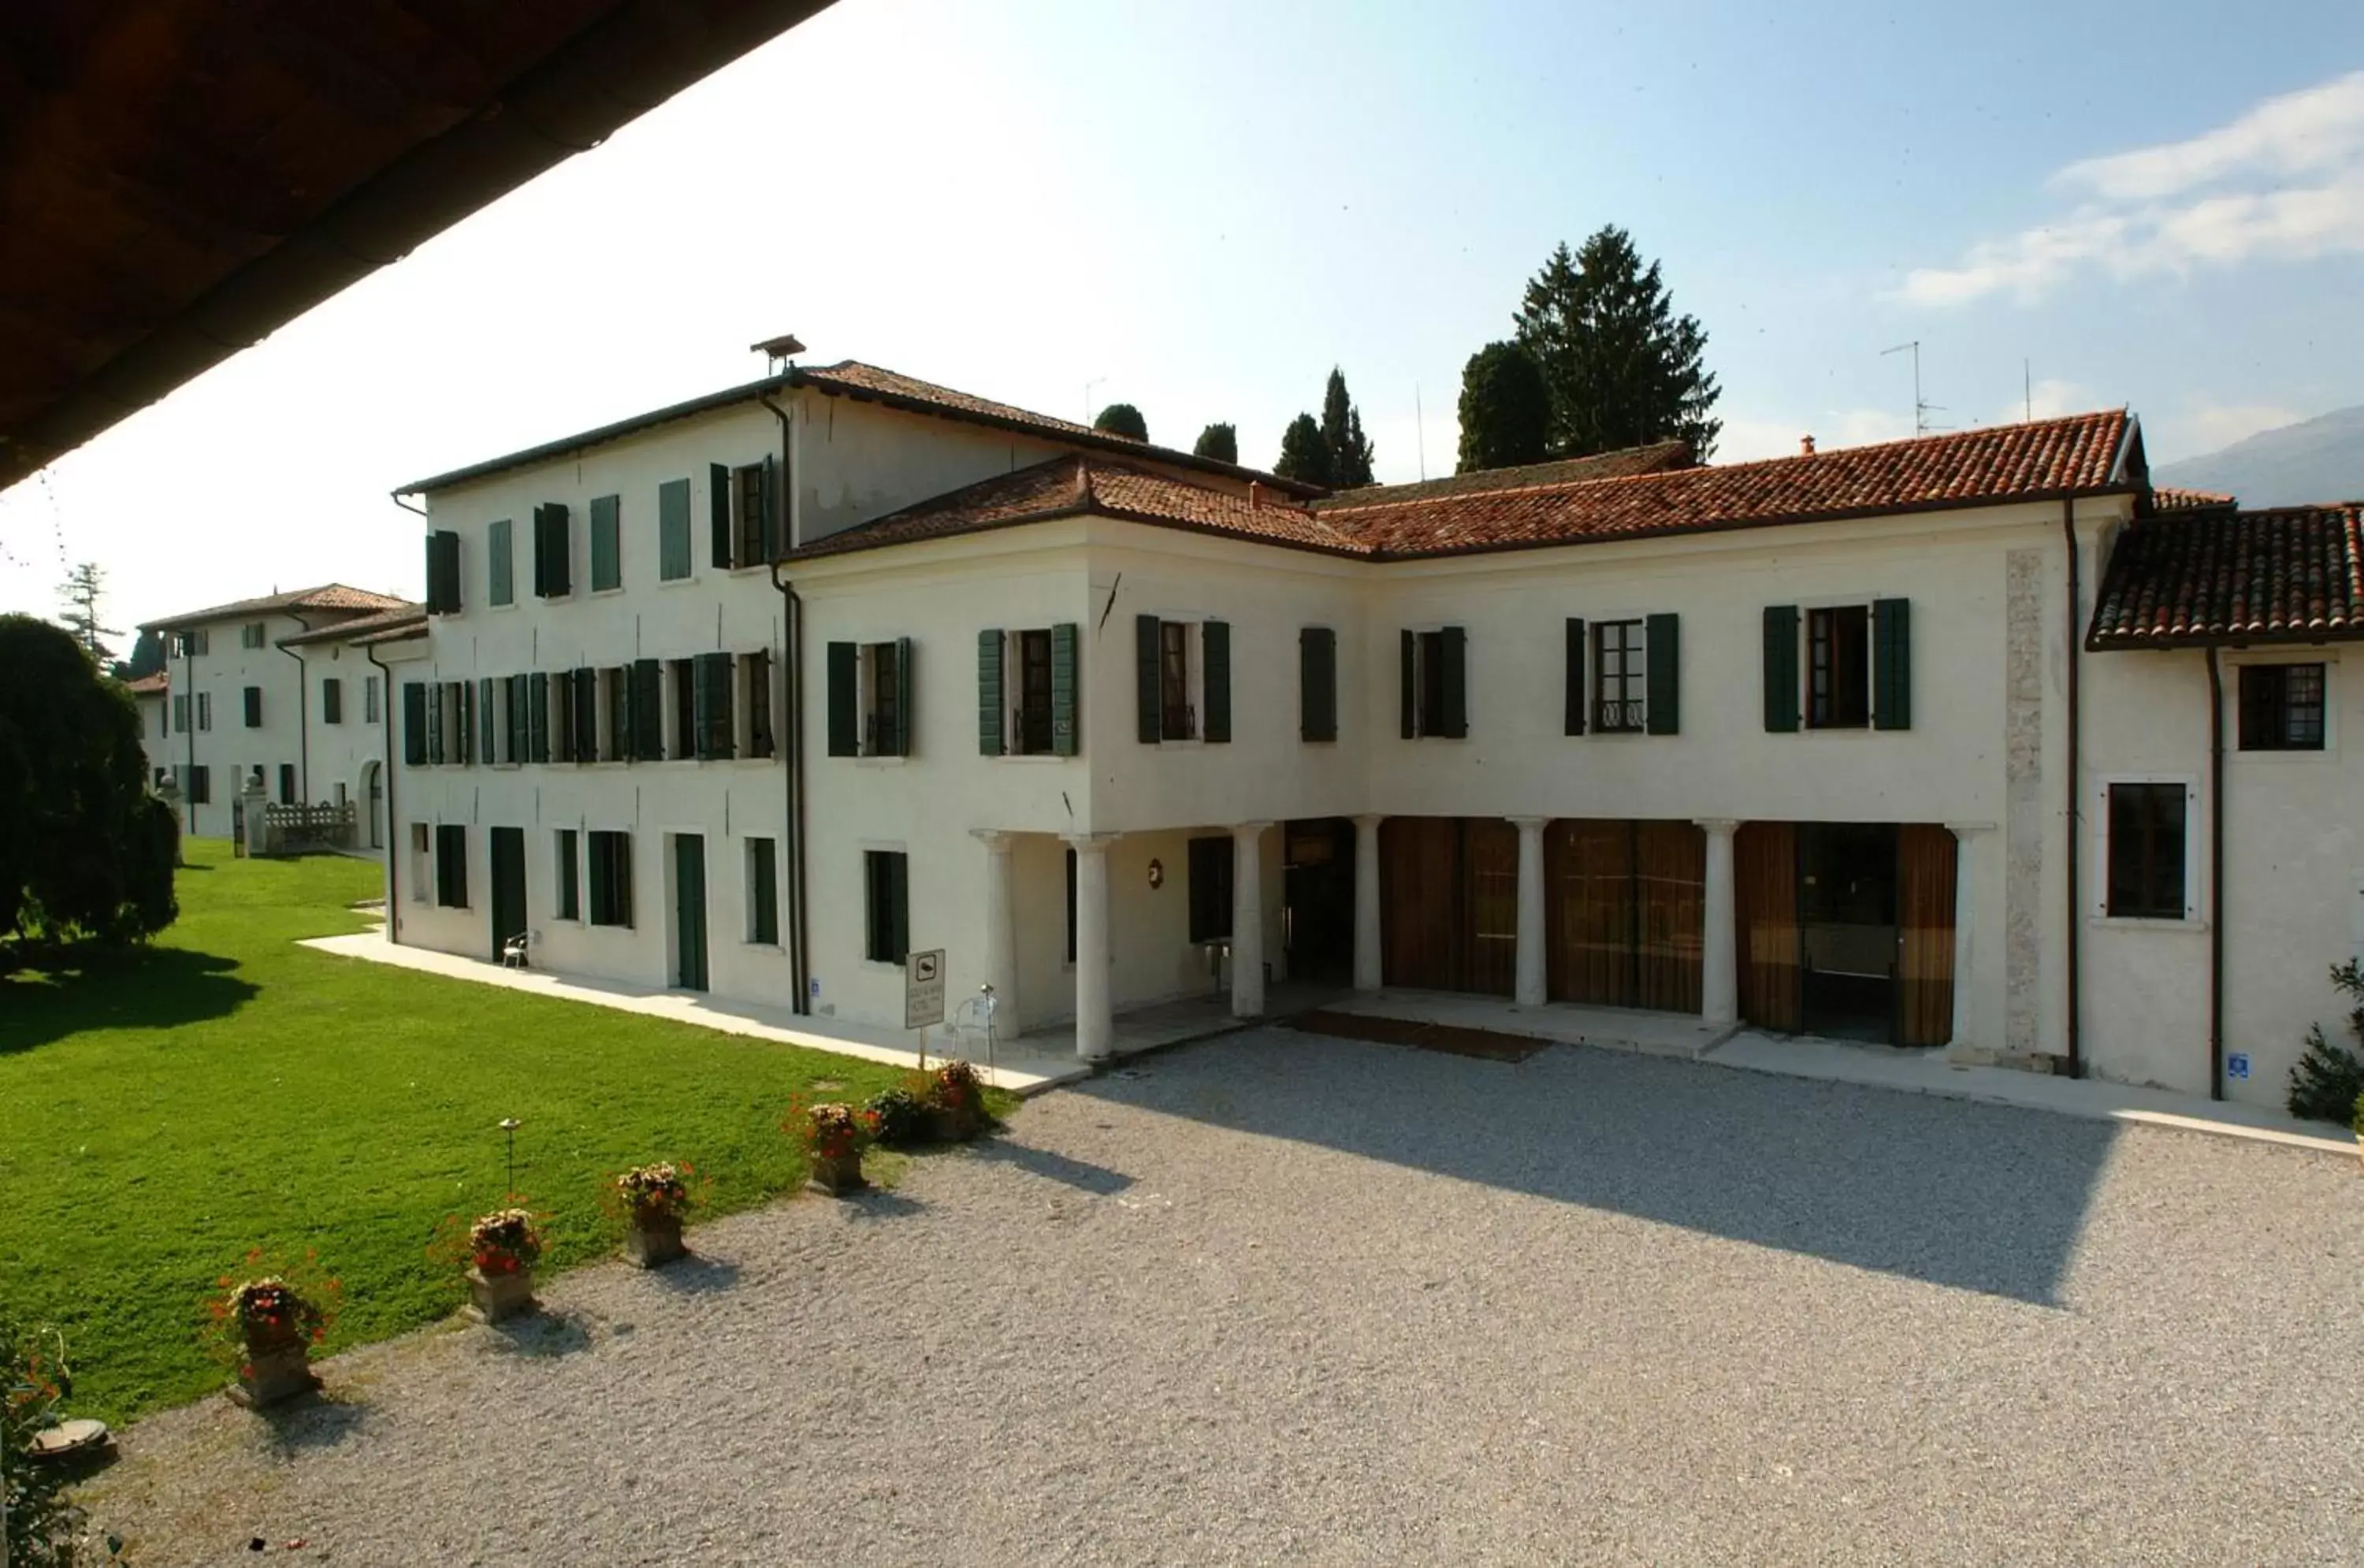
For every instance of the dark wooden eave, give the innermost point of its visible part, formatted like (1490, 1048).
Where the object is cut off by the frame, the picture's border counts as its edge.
(180, 178)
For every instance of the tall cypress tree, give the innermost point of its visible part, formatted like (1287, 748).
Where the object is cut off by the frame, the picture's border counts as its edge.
(1342, 432)
(1303, 453)
(1505, 409)
(1623, 369)
(1220, 441)
(1122, 419)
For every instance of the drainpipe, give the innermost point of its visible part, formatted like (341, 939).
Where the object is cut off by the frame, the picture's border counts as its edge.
(385, 726)
(189, 731)
(2215, 877)
(303, 722)
(2075, 787)
(792, 636)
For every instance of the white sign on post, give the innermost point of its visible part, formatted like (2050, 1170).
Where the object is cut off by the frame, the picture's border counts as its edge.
(923, 989)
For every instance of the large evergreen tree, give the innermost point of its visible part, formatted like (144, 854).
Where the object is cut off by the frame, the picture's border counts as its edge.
(1122, 419)
(1505, 409)
(1342, 432)
(85, 851)
(147, 656)
(1623, 369)
(79, 592)
(1220, 441)
(1303, 453)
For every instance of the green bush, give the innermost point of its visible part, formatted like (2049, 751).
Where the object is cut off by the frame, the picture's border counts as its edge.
(2328, 1080)
(902, 1116)
(44, 1530)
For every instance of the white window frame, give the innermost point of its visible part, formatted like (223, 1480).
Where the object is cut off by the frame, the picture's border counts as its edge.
(2195, 830)
(1420, 635)
(1194, 675)
(1595, 667)
(865, 699)
(742, 721)
(1013, 693)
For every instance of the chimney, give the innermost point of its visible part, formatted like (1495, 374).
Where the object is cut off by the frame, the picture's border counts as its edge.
(1805, 446)
(1255, 494)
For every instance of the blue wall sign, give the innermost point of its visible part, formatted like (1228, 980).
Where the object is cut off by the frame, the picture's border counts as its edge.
(2236, 1066)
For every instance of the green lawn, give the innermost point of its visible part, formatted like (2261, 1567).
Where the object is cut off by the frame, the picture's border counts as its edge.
(228, 1089)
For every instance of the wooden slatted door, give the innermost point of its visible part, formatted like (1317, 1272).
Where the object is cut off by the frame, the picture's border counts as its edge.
(1764, 885)
(1419, 884)
(689, 911)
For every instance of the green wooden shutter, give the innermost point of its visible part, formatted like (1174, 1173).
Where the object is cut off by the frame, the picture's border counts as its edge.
(1578, 699)
(607, 543)
(648, 711)
(443, 573)
(844, 700)
(1456, 645)
(1317, 684)
(500, 552)
(1781, 668)
(1149, 720)
(435, 722)
(904, 717)
(585, 690)
(991, 727)
(898, 878)
(717, 511)
(713, 698)
(1066, 724)
(1891, 663)
(414, 723)
(520, 721)
(552, 576)
(1215, 676)
(673, 530)
(772, 528)
(538, 747)
(1410, 649)
(487, 723)
(1662, 675)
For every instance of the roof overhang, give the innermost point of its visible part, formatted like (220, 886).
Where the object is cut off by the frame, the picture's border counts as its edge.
(182, 178)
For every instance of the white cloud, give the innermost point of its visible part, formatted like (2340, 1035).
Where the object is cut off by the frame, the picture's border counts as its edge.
(2204, 426)
(2285, 181)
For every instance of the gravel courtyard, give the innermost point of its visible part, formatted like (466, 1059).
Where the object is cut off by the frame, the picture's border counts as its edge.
(1278, 1298)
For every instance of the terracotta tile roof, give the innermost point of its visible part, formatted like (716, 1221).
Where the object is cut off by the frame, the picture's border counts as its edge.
(402, 614)
(154, 685)
(2078, 455)
(329, 596)
(2291, 575)
(2174, 498)
(1077, 486)
(1618, 465)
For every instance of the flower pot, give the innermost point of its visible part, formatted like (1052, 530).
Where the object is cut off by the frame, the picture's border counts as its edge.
(496, 1297)
(955, 1124)
(278, 1368)
(837, 1174)
(652, 1241)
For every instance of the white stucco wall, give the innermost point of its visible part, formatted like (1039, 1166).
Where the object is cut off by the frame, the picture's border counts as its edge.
(228, 748)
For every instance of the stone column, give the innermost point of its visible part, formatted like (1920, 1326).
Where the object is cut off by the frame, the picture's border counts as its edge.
(1965, 928)
(1528, 990)
(1368, 968)
(1000, 930)
(1719, 939)
(1247, 919)
(1095, 1018)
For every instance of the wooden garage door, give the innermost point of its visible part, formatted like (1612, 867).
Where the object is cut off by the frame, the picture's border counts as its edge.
(1449, 903)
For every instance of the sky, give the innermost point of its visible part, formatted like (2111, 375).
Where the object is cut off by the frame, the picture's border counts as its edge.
(1200, 207)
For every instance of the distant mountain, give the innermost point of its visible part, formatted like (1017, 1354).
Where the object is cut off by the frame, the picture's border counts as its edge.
(2321, 460)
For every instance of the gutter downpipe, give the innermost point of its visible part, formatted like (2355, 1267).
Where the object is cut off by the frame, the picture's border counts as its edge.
(791, 635)
(2076, 790)
(303, 720)
(385, 744)
(2215, 877)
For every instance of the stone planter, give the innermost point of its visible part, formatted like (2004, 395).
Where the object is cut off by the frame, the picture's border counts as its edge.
(495, 1299)
(276, 1371)
(839, 1176)
(949, 1124)
(652, 1241)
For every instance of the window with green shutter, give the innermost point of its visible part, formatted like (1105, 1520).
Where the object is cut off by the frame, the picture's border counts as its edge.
(1215, 678)
(991, 731)
(1575, 697)
(1453, 645)
(648, 711)
(1663, 668)
(515, 698)
(332, 701)
(537, 726)
(717, 505)
(1317, 684)
(607, 543)
(673, 530)
(1149, 685)
(414, 723)
(1067, 689)
(570, 875)
(1781, 669)
(887, 905)
(715, 738)
(762, 892)
(845, 699)
(1891, 663)
(435, 723)
(487, 723)
(500, 555)
(583, 696)
(442, 572)
(552, 571)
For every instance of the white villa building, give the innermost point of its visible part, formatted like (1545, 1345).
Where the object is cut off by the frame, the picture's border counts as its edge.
(272, 686)
(1976, 741)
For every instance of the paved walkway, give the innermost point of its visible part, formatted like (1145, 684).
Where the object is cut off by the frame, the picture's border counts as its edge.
(1282, 1297)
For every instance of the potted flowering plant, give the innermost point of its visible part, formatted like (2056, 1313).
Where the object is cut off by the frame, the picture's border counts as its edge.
(956, 1102)
(266, 1324)
(498, 1251)
(832, 1136)
(652, 1200)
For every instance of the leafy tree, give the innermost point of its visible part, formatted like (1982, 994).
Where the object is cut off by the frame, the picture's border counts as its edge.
(147, 656)
(2327, 1083)
(1303, 453)
(1623, 369)
(1505, 409)
(82, 590)
(1342, 432)
(1220, 442)
(1122, 419)
(85, 851)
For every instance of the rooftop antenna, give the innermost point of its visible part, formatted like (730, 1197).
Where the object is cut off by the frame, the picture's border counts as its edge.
(1418, 432)
(780, 352)
(2026, 389)
(1922, 407)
